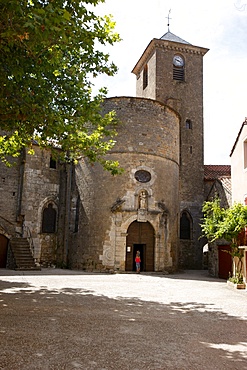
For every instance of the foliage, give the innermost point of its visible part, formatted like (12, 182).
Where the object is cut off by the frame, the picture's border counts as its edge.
(213, 217)
(221, 223)
(49, 50)
(237, 279)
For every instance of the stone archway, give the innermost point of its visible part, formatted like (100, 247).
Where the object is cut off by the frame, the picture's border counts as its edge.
(140, 236)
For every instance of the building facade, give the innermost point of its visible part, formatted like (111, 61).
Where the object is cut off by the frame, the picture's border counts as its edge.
(83, 217)
(239, 166)
(239, 179)
(217, 183)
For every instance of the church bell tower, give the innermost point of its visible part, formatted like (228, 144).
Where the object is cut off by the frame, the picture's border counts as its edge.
(170, 71)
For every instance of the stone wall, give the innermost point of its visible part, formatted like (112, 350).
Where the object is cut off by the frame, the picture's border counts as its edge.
(148, 139)
(40, 187)
(10, 188)
(186, 98)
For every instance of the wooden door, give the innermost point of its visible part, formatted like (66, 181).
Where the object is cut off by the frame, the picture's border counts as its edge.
(3, 250)
(225, 261)
(140, 237)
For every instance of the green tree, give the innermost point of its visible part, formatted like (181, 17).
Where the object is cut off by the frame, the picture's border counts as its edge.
(50, 52)
(228, 224)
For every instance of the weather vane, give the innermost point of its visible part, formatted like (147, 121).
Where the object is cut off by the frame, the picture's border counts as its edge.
(168, 18)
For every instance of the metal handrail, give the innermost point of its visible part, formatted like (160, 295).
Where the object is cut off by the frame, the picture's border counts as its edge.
(5, 219)
(10, 231)
(27, 233)
(24, 233)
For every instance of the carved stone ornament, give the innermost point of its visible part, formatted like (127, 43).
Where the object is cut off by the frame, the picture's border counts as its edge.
(142, 215)
(143, 200)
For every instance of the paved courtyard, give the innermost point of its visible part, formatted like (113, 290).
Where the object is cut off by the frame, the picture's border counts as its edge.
(61, 319)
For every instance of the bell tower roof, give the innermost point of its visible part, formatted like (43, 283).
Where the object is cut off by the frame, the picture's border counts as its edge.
(168, 41)
(168, 36)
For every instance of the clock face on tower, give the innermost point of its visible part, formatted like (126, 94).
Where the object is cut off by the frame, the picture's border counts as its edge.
(178, 61)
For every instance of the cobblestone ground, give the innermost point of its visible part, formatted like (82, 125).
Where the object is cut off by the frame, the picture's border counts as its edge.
(60, 319)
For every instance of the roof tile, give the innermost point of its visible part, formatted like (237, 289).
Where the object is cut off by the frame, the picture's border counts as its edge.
(168, 36)
(212, 172)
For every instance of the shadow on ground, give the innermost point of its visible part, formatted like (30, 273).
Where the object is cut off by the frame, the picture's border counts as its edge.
(74, 329)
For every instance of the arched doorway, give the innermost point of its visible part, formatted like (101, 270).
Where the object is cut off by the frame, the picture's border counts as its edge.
(140, 237)
(3, 250)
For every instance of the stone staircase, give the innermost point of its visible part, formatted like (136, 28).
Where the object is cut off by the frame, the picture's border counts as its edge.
(22, 254)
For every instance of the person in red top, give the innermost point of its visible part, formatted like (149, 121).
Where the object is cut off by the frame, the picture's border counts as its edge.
(138, 262)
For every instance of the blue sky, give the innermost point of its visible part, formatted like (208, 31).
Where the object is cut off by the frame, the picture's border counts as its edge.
(220, 26)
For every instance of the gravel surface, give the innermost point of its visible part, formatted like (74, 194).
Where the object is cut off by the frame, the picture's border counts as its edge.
(61, 319)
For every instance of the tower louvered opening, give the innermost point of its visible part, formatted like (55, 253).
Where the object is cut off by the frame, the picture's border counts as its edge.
(178, 73)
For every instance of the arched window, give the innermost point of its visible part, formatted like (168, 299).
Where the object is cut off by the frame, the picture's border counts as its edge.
(49, 219)
(185, 226)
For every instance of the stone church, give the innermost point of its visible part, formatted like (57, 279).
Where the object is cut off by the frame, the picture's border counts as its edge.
(82, 217)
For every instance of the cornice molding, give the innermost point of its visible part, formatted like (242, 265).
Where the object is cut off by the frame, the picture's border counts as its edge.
(167, 45)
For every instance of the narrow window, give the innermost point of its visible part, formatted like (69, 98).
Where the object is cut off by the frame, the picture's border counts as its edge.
(188, 124)
(49, 219)
(191, 149)
(53, 163)
(145, 76)
(245, 154)
(77, 214)
(185, 226)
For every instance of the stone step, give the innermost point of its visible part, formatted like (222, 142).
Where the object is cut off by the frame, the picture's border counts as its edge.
(22, 254)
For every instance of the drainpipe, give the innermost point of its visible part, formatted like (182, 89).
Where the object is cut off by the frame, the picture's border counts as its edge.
(19, 217)
(67, 211)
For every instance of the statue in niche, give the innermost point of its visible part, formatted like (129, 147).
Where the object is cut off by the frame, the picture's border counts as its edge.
(143, 200)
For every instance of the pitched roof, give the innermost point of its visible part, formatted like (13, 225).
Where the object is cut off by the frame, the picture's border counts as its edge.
(219, 173)
(227, 184)
(238, 136)
(213, 172)
(171, 37)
